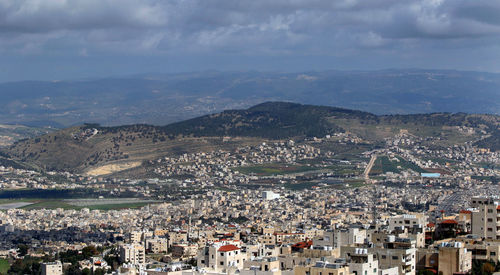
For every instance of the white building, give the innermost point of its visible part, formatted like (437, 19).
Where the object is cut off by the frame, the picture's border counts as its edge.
(270, 195)
(52, 268)
(221, 257)
(363, 263)
(133, 253)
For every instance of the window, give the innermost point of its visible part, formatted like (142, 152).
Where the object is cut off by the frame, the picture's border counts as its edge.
(221, 263)
(202, 261)
(395, 257)
(222, 253)
(383, 256)
(490, 220)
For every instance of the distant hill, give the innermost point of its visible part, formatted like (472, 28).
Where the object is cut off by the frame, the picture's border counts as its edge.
(91, 146)
(166, 98)
(12, 133)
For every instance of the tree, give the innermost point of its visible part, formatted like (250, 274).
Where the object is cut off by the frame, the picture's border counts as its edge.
(23, 249)
(488, 268)
(73, 270)
(89, 251)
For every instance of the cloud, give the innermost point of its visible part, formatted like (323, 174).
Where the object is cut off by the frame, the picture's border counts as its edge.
(38, 16)
(226, 22)
(251, 28)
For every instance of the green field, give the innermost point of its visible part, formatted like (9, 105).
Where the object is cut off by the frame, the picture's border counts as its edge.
(274, 169)
(383, 165)
(300, 186)
(118, 206)
(53, 204)
(4, 266)
(48, 204)
(353, 183)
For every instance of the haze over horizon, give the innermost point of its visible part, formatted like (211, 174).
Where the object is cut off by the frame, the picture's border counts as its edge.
(59, 40)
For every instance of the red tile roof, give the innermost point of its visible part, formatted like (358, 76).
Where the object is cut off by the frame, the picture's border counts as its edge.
(449, 222)
(465, 212)
(229, 247)
(306, 244)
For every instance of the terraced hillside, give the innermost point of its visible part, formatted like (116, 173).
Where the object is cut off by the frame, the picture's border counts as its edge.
(104, 150)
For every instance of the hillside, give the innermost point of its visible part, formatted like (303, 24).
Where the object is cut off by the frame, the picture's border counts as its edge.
(167, 98)
(12, 133)
(110, 149)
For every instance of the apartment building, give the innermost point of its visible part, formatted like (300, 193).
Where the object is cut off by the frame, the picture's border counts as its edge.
(454, 258)
(395, 252)
(363, 263)
(52, 268)
(133, 253)
(406, 220)
(221, 257)
(262, 266)
(485, 218)
(341, 237)
(322, 268)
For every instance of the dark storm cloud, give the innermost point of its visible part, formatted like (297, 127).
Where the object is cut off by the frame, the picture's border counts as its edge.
(398, 29)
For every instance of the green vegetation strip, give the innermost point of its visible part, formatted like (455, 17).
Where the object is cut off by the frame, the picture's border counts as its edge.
(4, 266)
(383, 165)
(53, 204)
(274, 169)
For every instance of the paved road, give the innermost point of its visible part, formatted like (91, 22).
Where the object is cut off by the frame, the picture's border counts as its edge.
(369, 167)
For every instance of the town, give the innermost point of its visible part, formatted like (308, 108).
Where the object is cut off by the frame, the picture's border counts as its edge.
(276, 208)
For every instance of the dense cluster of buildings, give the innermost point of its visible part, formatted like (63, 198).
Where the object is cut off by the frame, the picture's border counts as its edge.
(269, 232)
(216, 219)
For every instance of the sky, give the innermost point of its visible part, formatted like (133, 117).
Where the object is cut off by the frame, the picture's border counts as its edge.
(73, 39)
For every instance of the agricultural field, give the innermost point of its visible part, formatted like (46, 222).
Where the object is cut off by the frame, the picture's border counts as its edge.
(77, 204)
(275, 169)
(383, 165)
(335, 184)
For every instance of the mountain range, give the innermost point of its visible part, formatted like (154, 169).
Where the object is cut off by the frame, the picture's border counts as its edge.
(160, 99)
